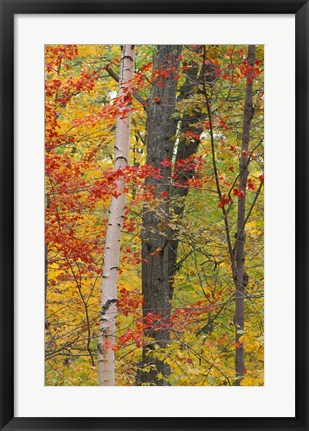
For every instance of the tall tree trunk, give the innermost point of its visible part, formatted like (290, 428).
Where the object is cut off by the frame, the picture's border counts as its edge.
(108, 312)
(160, 140)
(47, 204)
(189, 123)
(241, 277)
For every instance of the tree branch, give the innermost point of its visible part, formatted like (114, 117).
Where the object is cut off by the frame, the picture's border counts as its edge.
(136, 95)
(212, 141)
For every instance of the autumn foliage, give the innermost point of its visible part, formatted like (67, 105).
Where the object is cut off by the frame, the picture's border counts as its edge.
(81, 106)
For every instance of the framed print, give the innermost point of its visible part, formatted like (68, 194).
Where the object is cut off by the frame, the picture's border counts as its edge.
(151, 277)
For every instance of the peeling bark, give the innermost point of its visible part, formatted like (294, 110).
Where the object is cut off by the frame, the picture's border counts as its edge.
(106, 356)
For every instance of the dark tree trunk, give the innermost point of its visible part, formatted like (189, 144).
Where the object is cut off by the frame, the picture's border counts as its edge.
(241, 278)
(47, 205)
(160, 140)
(185, 150)
(169, 240)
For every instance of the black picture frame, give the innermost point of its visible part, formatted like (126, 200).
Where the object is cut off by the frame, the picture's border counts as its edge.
(11, 7)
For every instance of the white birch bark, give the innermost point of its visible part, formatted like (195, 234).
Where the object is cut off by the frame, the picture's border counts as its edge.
(106, 355)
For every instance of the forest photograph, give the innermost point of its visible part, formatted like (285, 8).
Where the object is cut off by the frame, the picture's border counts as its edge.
(154, 215)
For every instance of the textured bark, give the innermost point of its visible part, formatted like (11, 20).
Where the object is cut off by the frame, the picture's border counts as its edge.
(108, 313)
(241, 278)
(185, 150)
(160, 140)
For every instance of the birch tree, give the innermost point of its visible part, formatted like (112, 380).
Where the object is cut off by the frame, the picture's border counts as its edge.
(192, 237)
(106, 355)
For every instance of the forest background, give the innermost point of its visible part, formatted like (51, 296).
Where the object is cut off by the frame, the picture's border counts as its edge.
(189, 305)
